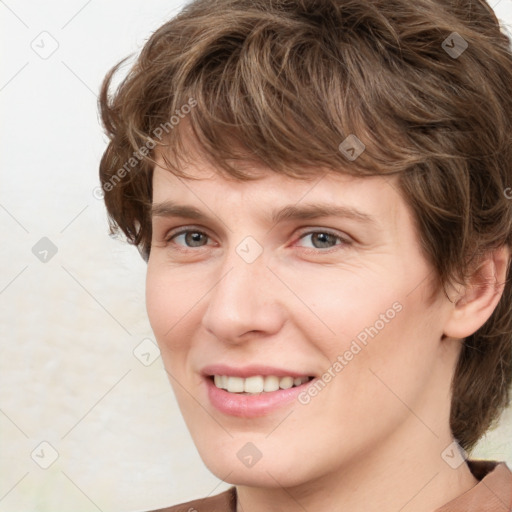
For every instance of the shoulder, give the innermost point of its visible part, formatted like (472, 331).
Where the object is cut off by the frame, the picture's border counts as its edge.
(224, 502)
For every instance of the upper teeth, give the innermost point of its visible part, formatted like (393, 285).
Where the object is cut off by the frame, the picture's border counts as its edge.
(257, 383)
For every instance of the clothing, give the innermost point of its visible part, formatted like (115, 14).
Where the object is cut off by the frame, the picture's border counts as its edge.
(493, 493)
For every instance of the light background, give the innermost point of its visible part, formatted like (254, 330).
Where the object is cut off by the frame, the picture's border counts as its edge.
(70, 325)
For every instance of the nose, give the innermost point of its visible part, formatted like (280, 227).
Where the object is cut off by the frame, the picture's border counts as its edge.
(244, 302)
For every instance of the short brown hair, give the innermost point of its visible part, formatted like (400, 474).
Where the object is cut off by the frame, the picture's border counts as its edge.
(425, 85)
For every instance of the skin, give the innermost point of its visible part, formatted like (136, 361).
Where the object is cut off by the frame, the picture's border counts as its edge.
(372, 438)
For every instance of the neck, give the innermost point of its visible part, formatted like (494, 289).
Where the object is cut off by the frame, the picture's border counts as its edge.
(419, 480)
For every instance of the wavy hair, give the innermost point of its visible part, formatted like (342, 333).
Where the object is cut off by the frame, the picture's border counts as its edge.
(426, 85)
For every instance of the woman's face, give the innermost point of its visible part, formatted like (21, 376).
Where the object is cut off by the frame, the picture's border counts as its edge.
(259, 282)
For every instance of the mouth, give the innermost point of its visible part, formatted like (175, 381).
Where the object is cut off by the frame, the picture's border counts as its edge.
(253, 391)
(257, 384)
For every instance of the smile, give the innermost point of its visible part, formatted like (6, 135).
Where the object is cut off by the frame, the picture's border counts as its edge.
(257, 384)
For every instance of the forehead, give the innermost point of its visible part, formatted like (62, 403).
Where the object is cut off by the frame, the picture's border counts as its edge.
(270, 194)
(268, 187)
(189, 156)
(200, 168)
(273, 197)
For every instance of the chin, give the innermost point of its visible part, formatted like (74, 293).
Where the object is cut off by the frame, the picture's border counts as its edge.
(267, 477)
(270, 471)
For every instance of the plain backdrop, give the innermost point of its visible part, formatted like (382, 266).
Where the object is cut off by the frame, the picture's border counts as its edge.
(88, 421)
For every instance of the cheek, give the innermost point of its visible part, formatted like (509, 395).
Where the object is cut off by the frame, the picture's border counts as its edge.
(157, 304)
(343, 304)
(168, 302)
(387, 364)
(369, 325)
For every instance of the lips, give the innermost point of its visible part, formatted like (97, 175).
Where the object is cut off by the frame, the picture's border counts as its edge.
(251, 405)
(251, 371)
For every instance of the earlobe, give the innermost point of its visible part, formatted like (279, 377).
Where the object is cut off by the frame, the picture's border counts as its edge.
(477, 300)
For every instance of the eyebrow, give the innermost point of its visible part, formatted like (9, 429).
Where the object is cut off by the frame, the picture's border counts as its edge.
(290, 212)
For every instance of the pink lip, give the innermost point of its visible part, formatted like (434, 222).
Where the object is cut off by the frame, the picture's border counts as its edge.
(249, 371)
(250, 406)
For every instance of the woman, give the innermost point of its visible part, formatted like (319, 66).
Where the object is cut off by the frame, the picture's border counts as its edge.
(319, 189)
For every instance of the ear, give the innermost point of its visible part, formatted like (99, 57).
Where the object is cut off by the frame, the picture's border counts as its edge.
(475, 302)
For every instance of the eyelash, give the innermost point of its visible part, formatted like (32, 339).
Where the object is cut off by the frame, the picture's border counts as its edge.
(344, 241)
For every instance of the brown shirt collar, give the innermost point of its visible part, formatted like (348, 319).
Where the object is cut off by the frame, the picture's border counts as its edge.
(493, 493)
